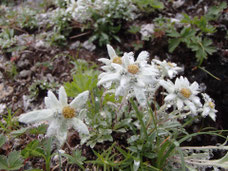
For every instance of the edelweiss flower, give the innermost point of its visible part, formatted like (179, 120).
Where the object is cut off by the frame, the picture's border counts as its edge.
(182, 92)
(168, 68)
(132, 76)
(208, 107)
(110, 73)
(60, 115)
(114, 58)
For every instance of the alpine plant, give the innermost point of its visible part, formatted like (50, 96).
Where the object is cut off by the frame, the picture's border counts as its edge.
(60, 115)
(140, 79)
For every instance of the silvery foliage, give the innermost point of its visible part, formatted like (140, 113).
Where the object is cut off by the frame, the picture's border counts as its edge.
(82, 10)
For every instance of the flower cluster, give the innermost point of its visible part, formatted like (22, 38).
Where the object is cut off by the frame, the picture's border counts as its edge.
(132, 77)
(139, 79)
(82, 10)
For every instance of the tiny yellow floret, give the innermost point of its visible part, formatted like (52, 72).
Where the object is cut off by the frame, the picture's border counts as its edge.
(133, 69)
(212, 105)
(170, 64)
(185, 92)
(117, 60)
(68, 112)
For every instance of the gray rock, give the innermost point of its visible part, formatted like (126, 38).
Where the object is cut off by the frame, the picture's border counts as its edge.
(22, 64)
(25, 73)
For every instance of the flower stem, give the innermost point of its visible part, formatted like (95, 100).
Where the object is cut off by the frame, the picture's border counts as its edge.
(60, 161)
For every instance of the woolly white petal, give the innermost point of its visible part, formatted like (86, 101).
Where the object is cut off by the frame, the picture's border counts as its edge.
(206, 111)
(80, 100)
(128, 59)
(61, 135)
(191, 106)
(212, 115)
(196, 100)
(47, 102)
(143, 56)
(170, 97)
(105, 61)
(120, 91)
(194, 86)
(108, 77)
(62, 96)
(171, 73)
(101, 75)
(111, 52)
(167, 85)
(149, 70)
(53, 101)
(53, 127)
(140, 83)
(36, 116)
(79, 126)
(180, 104)
(117, 66)
(106, 67)
(140, 96)
(124, 81)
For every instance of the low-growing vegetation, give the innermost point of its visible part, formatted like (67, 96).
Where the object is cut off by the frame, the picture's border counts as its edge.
(113, 85)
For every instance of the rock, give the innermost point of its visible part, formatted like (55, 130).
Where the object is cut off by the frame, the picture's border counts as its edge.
(24, 56)
(40, 44)
(5, 91)
(24, 63)
(25, 73)
(178, 3)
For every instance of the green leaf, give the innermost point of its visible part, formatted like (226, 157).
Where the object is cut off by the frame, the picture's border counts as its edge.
(12, 162)
(173, 43)
(19, 131)
(75, 158)
(213, 12)
(32, 149)
(2, 140)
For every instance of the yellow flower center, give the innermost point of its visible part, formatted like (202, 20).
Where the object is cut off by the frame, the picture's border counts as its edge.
(170, 64)
(212, 105)
(185, 92)
(133, 69)
(68, 112)
(117, 60)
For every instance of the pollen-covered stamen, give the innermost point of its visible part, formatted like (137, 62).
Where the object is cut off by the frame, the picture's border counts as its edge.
(68, 112)
(133, 69)
(185, 92)
(212, 105)
(117, 60)
(170, 64)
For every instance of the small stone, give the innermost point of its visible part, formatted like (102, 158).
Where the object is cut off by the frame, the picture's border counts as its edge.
(25, 73)
(40, 44)
(22, 64)
(178, 3)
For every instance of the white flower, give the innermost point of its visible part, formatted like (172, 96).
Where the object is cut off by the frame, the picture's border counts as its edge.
(106, 78)
(168, 68)
(182, 92)
(208, 107)
(114, 58)
(132, 76)
(60, 115)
